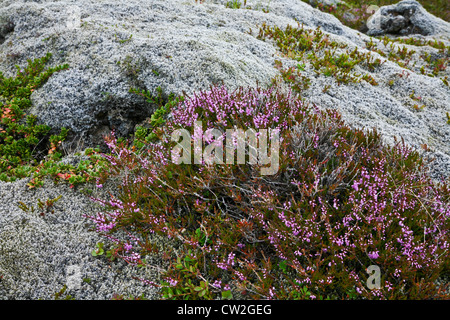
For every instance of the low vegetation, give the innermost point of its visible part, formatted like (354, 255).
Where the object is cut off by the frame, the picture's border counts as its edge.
(27, 148)
(316, 48)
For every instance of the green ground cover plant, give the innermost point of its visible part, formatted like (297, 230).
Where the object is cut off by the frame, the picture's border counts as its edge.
(20, 135)
(433, 67)
(28, 149)
(316, 48)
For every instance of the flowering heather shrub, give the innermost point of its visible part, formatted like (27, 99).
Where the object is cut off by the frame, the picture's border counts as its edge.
(340, 202)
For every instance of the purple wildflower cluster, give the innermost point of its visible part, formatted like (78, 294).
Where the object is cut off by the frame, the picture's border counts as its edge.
(219, 108)
(341, 201)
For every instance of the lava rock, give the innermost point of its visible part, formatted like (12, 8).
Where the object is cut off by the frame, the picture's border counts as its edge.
(405, 18)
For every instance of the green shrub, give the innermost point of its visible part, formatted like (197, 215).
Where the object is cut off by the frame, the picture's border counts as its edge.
(22, 140)
(340, 202)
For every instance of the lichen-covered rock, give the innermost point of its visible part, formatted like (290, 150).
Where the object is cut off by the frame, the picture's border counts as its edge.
(405, 18)
(43, 250)
(181, 46)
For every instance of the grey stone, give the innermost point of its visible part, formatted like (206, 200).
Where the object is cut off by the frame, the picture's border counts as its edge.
(405, 18)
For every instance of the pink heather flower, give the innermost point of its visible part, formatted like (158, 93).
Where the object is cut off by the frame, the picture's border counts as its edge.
(231, 259)
(373, 255)
(222, 265)
(148, 282)
(271, 293)
(217, 284)
(172, 282)
(241, 276)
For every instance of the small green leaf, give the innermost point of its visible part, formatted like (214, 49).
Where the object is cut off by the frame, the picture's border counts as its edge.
(226, 295)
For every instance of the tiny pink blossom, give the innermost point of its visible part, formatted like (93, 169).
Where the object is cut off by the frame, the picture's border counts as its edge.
(373, 255)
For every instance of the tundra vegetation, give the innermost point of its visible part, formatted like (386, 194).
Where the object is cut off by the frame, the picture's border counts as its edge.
(341, 201)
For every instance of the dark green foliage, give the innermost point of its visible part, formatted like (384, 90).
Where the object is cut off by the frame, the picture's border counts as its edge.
(22, 140)
(316, 48)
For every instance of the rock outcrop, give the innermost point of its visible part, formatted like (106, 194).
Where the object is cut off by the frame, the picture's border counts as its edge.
(405, 18)
(181, 46)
